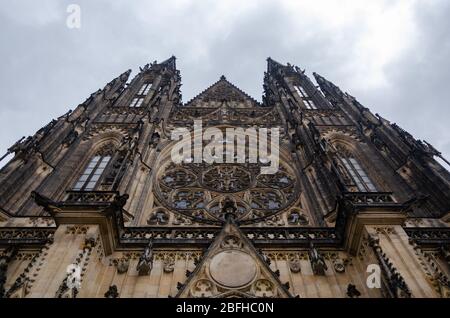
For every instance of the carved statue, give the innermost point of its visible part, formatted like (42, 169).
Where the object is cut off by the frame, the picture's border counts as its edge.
(296, 218)
(295, 265)
(43, 201)
(229, 208)
(112, 292)
(339, 265)
(158, 217)
(5, 259)
(145, 264)
(168, 264)
(122, 265)
(445, 252)
(343, 173)
(154, 141)
(352, 292)
(317, 261)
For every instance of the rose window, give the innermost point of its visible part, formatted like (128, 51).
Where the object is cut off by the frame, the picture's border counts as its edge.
(201, 189)
(227, 179)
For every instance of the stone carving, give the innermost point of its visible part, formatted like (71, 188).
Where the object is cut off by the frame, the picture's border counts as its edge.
(202, 289)
(154, 141)
(112, 292)
(22, 285)
(297, 218)
(197, 187)
(295, 266)
(168, 264)
(227, 179)
(5, 259)
(145, 264)
(318, 264)
(122, 265)
(159, 217)
(396, 285)
(339, 265)
(181, 220)
(70, 138)
(445, 252)
(275, 221)
(264, 288)
(229, 208)
(352, 291)
(433, 269)
(70, 286)
(77, 229)
(231, 241)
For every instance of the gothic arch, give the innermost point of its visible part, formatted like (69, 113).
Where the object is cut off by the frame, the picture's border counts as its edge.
(344, 146)
(108, 143)
(189, 187)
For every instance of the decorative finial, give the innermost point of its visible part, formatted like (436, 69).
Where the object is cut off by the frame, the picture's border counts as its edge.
(223, 78)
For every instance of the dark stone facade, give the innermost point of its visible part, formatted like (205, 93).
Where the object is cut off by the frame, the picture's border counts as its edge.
(353, 190)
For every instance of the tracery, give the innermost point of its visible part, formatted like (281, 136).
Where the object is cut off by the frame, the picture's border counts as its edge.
(193, 188)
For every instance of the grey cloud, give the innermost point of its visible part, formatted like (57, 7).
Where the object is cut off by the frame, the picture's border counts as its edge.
(48, 69)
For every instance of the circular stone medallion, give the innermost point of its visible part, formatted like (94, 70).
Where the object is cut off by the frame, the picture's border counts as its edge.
(232, 268)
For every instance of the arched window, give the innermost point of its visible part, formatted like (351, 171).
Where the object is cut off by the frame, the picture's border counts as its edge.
(140, 96)
(354, 175)
(307, 100)
(94, 172)
(358, 174)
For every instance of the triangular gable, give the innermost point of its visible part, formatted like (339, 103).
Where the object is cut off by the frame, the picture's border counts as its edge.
(222, 91)
(232, 267)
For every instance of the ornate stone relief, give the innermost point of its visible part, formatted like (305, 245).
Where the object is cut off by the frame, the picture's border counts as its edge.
(264, 288)
(112, 292)
(429, 261)
(295, 265)
(232, 266)
(339, 265)
(200, 191)
(352, 291)
(297, 217)
(318, 264)
(159, 217)
(168, 263)
(71, 290)
(24, 282)
(122, 265)
(145, 264)
(77, 229)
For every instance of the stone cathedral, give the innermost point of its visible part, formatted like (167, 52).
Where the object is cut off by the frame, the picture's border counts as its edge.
(93, 205)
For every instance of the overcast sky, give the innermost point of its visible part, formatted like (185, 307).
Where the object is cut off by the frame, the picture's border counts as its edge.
(393, 56)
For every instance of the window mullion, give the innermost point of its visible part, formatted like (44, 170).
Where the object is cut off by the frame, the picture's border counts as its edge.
(94, 170)
(357, 175)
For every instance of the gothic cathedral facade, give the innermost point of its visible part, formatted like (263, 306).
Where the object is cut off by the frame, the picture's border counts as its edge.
(93, 205)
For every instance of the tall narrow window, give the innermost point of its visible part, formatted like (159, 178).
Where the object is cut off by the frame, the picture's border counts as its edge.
(92, 174)
(145, 89)
(137, 102)
(305, 97)
(140, 96)
(309, 104)
(359, 176)
(301, 91)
